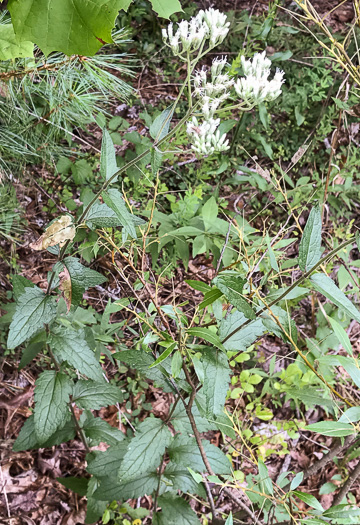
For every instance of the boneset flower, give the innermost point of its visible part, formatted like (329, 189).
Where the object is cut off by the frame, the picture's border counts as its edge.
(256, 87)
(205, 137)
(206, 25)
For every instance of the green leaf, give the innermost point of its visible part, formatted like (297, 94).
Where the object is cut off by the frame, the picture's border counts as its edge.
(273, 262)
(95, 508)
(93, 395)
(166, 8)
(350, 367)
(331, 428)
(232, 288)
(216, 380)
(73, 27)
(111, 489)
(209, 213)
(175, 511)
(351, 415)
(229, 520)
(78, 485)
(19, 283)
(11, 47)
(310, 244)
(145, 449)
(296, 481)
(341, 511)
(107, 464)
(81, 278)
(179, 478)
(184, 451)
(141, 361)
(51, 412)
(200, 286)
(210, 297)
(341, 335)
(207, 335)
(97, 430)
(108, 166)
(244, 337)
(181, 423)
(27, 439)
(285, 320)
(164, 355)
(311, 397)
(265, 481)
(326, 286)
(71, 346)
(115, 201)
(160, 127)
(309, 500)
(30, 352)
(33, 310)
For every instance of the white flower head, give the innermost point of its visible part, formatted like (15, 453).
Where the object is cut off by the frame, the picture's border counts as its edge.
(256, 87)
(206, 25)
(205, 137)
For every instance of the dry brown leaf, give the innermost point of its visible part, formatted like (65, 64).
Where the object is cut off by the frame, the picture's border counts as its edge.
(60, 231)
(65, 287)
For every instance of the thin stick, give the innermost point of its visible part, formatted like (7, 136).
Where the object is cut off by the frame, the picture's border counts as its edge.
(347, 485)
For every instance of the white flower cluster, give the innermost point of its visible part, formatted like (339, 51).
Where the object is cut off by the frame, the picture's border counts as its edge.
(205, 137)
(206, 25)
(256, 87)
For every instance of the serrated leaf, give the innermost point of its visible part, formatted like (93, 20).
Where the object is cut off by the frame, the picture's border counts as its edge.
(33, 310)
(19, 283)
(181, 423)
(145, 449)
(326, 286)
(51, 412)
(95, 508)
(311, 396)
(106, 464)
(81, 278)
(94, 395)
(243, 338)
(108, 166)
(78, 485)
(232, 287)
(207, 335)
(71, 346)
(310, 244)
(175, 511)
(11, 47)
(29, 353)
(331, 428)
(140, 361)
(97, 430)
(309, 499)
(101, 216)
(166, 8)
(160, 127)
(115, 201)
(27, 439)
(71, 26)
(184, 451)
(111, 489)
(179, 478)
(216, 380)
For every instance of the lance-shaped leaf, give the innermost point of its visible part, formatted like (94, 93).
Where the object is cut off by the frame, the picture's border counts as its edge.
(184, 451)
(11, 47)
(288, 325)
(216, 380)
(232, 287)
(81, 278)
(73, 27)
(175, 511)
(71, 346)
(331, 428)
(115, 201)
(160, 127)
(145, 449)
(33, 310)
(207, 335)
(108, 166)
(95, 395)
(51, 412)
(58, 232)
(326, 286)
(310, 244)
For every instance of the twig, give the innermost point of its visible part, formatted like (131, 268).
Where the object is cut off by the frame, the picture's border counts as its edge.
(347, 485)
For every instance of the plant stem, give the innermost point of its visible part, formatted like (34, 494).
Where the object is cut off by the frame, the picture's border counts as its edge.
(353, 476)
(291, 287)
